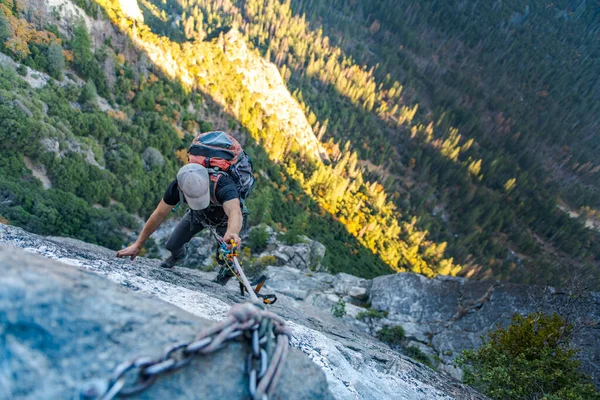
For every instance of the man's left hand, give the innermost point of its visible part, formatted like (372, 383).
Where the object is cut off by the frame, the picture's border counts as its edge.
(232, 236)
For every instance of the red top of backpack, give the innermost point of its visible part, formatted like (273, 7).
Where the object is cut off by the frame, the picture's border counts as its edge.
(215, 150)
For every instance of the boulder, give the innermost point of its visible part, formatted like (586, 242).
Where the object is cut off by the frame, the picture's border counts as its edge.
(350, 286)
(201, 250)
(295, 256)
(359, 293)
(50, 144)
(292, 282)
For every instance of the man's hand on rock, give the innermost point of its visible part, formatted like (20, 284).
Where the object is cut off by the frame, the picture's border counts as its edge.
(232, 236)
(131, 251)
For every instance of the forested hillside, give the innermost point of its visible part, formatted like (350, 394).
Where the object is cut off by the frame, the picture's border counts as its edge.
(479, 120)
(450, 142)
(106, 130)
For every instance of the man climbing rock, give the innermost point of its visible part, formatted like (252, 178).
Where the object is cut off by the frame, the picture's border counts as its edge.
(213, 197)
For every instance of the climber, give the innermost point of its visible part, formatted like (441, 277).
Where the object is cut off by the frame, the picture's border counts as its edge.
(213, 197)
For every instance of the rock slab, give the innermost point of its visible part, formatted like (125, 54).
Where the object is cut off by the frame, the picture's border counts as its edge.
(61, 328)
(356, 365)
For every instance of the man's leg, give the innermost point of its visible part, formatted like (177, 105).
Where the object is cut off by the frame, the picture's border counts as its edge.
(182, 234)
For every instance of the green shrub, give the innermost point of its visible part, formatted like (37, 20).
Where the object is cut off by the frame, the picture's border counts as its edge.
(55, 212)
(256, 267)
(417, 354)
(22, 70)
(577, 391)
(56, 61)
(531, 359)
(371, 314)
(339, 309)
(231, 123)
(392, 335)
(252, 269)
(370, 317)
(205, 126)
(290, 238)
(5, 32)
(258, 239)
(88, 94)
(266, 260)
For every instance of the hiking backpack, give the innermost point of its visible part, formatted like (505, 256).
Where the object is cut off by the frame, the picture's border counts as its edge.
(221, 154)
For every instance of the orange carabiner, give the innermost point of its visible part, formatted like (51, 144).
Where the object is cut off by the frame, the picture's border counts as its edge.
(233, 252)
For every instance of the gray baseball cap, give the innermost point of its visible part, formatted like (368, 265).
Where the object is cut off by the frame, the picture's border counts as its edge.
(194, 182)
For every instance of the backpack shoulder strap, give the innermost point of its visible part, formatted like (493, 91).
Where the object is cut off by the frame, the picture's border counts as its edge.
(215, 175)
(181, 200)
(213, 186)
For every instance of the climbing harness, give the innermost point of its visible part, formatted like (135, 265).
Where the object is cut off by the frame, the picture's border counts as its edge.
(230, 258)
(267, 335)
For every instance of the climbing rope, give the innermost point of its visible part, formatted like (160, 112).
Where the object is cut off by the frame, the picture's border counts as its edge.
(263, 365)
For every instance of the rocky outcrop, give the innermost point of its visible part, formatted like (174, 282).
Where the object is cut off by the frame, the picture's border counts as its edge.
(440, 316)
(355, 364)
(39, 171)
(263, 80)
(450, 314)
(305, 256)
(67, 15)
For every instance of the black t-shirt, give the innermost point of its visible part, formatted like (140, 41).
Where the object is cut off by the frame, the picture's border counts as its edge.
(226, 190)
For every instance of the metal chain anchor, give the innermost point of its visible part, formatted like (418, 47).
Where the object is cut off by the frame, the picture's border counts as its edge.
(263, 364)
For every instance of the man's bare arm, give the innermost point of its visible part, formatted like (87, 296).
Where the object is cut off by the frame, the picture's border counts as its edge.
(158, 216)
(234, 223)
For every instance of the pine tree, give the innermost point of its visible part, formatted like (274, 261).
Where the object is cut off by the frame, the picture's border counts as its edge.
(56, 60)
(82, 53)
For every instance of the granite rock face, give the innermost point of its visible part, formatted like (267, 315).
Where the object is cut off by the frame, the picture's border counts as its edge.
(442, 316)
(356, 365)
(62, 329)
